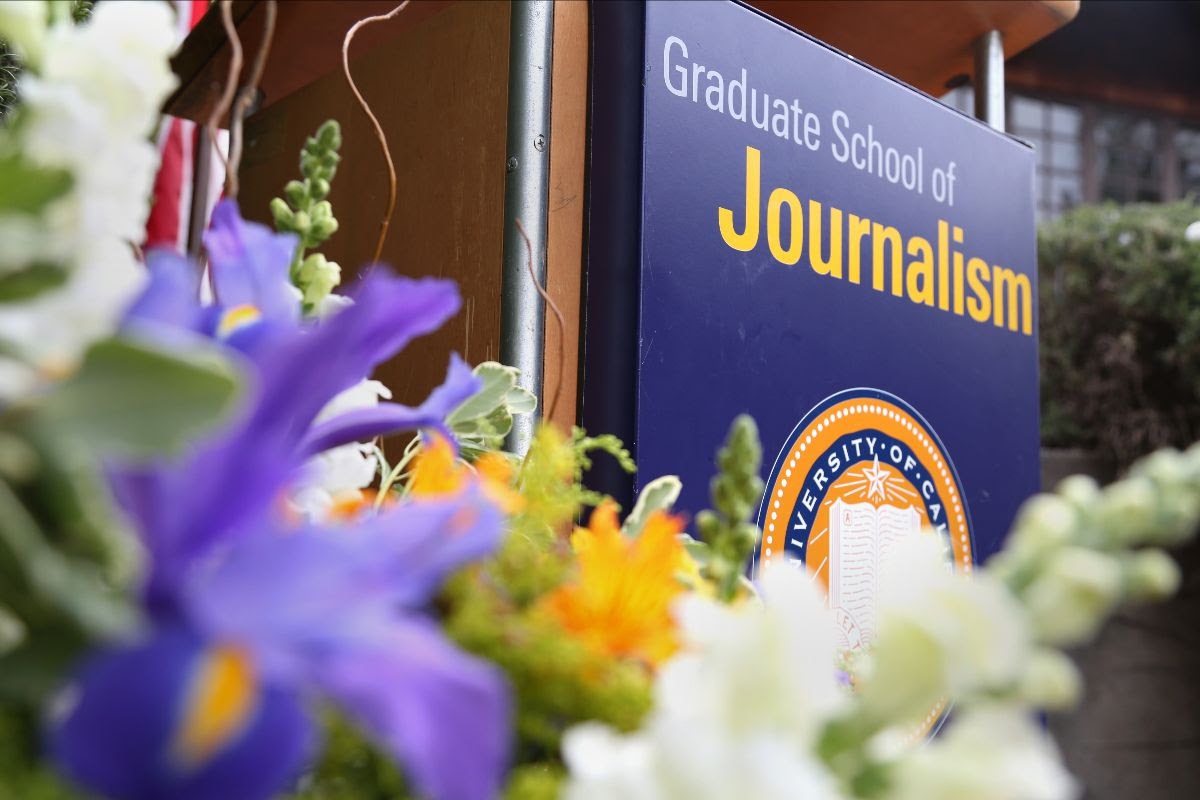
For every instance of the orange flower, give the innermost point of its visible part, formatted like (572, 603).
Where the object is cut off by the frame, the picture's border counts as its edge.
(437, 472)
(621, 600)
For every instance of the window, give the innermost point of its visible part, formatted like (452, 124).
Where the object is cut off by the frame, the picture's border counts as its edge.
(1187, 146)
(1090, 153)
(1054, 130)
(1129, 158)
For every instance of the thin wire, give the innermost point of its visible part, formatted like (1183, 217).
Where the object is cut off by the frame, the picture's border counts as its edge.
(231, 80)
(562, 325)
(387, 153)
(245, 97)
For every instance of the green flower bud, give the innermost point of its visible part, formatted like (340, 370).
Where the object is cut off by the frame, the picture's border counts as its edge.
(329, 135)
(317, 277)
(1151, 575)
(321, 210)
(282, 215)
(302, 222)
(319, 188)
(323, 229)
(295, 192)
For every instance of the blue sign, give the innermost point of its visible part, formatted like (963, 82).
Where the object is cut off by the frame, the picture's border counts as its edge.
(835, 253)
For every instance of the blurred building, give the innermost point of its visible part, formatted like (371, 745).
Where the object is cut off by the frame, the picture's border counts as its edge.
(1111, 102)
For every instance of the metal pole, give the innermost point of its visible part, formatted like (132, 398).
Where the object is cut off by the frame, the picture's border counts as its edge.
(989, 79)
(526, 198)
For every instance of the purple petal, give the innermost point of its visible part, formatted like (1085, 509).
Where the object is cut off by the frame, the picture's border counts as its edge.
(249, 264)
(117, 738)
(171, 298)
(331, 587)
(231, 484)
(303, 373)
(386, 418)
(429, 539)
(398, 310)
(442, 713)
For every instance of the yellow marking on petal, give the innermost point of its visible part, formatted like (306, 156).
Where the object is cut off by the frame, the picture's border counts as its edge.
(237, 318)
(220, 702)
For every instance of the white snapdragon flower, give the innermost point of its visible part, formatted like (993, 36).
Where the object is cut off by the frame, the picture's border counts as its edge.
(940, 634)
(605, 764)
(987, 754)
(736, 713)
(23, 27)
(755, 666)
(89, 104)
(340, 473)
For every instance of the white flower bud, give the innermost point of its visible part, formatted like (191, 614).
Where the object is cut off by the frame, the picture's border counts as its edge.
(1044, 522)
(1051, 681)
(1072, 596)
(1081, 491)
(1151, 575)
(1127, 510)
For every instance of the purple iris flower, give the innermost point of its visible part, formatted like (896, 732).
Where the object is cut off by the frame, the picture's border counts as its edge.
(252, 617)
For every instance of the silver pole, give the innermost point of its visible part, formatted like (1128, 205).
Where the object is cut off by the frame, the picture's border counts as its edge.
(526, 198)
(989, 79)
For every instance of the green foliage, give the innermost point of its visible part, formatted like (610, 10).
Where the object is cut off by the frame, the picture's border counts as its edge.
(583, 446)
(135, 400)
(30, 282)
(64, 563)
(657, 495)
(535, 782)
(351, 768)
(1120, 329)
(10, 70)
(726, 529)
(307, 213)
(494, 610)
(26, 189)
(483, 420)
(21, 774)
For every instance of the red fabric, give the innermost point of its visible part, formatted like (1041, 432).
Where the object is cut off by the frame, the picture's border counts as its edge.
(167, 225)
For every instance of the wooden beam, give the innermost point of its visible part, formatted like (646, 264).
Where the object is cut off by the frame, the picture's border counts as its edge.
(564, 258)
(926, 43)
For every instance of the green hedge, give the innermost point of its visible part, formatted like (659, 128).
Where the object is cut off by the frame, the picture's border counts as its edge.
(1120, 328)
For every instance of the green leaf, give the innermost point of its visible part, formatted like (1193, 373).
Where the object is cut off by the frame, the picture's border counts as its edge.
(132, 399)
(26, 188)
(657, 495)
(520, 400)
(698, 550)
(29, 282)
(498, 382)
(12, 630)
